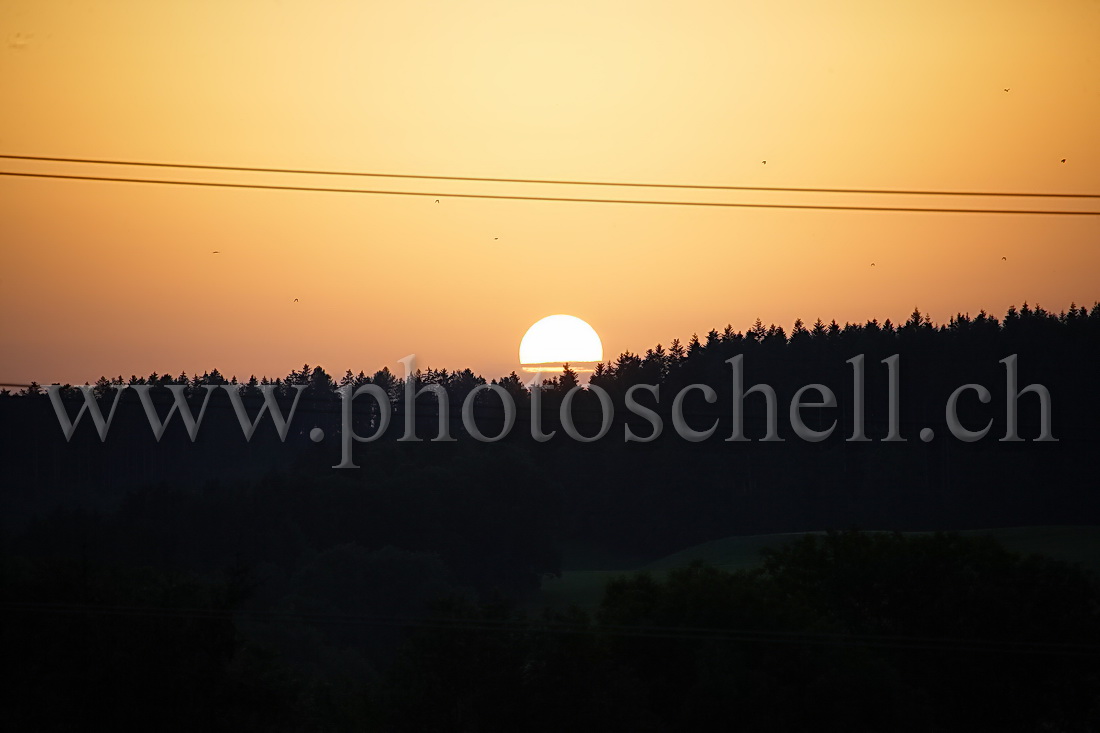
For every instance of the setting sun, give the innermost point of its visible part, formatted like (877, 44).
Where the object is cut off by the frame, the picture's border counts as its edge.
(556, 340)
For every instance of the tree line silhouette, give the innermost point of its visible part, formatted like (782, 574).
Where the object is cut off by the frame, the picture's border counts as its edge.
(268, 554)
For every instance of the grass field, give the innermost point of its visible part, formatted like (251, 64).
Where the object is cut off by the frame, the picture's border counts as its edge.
(584, 587)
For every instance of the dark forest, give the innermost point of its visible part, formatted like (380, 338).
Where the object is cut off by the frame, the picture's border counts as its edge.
(229, 583)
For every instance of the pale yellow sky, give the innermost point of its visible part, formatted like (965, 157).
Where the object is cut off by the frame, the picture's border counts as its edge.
(108, 278)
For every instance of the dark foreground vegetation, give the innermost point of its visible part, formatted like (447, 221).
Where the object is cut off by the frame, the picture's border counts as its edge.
(225, 583)
(865, 631)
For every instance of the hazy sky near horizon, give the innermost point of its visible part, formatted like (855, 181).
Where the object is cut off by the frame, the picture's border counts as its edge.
(119, 278)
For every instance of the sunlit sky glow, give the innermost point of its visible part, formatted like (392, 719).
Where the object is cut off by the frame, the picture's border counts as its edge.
(119, 278)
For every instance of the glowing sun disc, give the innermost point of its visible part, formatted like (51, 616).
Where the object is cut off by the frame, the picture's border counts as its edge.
(559, 339)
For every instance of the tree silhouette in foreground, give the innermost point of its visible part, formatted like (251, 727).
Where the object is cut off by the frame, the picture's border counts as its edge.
(278, 549)
(851, 630)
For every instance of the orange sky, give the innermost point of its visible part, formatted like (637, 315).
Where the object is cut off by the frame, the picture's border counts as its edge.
(109, 278)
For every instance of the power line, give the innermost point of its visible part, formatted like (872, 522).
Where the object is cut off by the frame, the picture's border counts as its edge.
(569, 199)
(548, 181)
(522, 626)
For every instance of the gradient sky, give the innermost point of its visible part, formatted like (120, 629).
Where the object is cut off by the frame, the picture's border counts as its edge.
(116, 278)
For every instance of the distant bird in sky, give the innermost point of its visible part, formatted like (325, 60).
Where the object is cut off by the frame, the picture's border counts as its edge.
(1004, 258)
(437, 201)
(295, 300)
(764, 162)
(216, 252)
(1006, 90)
(1063, 160)
(872, 264)
(496, 237)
